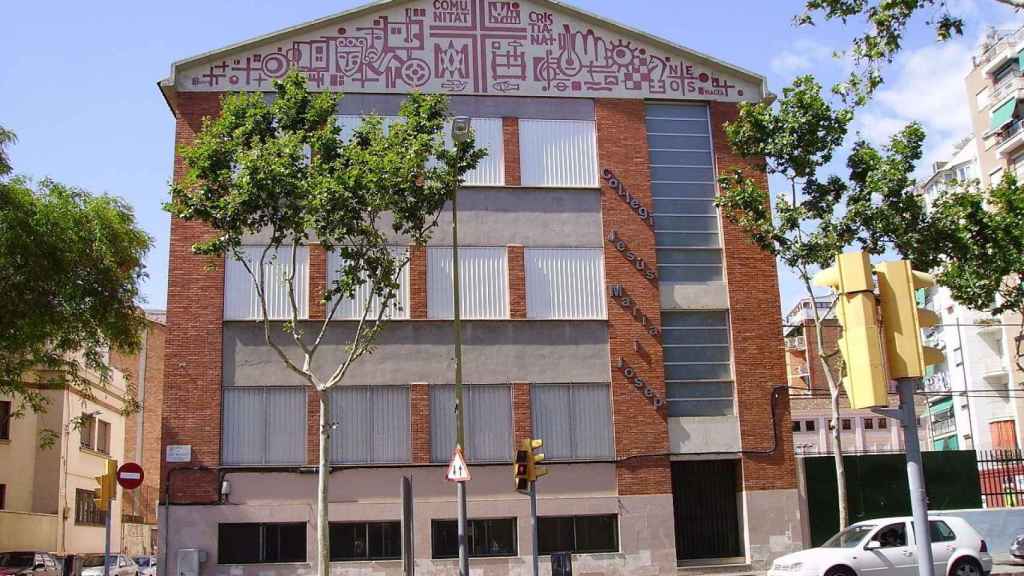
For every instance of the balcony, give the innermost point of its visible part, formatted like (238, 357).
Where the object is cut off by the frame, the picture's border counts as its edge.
(993, 370)
(997, 52)
(796, 343)
(1010, 138)
(944, 427)
(1011, 86)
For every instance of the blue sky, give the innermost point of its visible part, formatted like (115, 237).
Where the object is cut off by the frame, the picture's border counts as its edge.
(78, 84)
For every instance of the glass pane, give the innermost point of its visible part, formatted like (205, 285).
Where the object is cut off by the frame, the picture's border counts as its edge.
(663, 206)
(698, 372)
(697, 354)
(698, 190)
(682, 173)
(554, 534)
(235, 543)
(284, 543)
(685, 408)
(552, 420)
(597, 534)
(592, 421)
(442, 422)
(444, 539)
(687, 158)
(348, 541)
(385, 540)
(697, 390)
(683, 274)
(686, 223)
(698, 111)
(695, 336)
(678, 142)
(695, 319)
(670, 256)
(695, 239)
(493, 537)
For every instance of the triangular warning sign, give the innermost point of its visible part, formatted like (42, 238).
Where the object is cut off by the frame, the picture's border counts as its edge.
(457, 469)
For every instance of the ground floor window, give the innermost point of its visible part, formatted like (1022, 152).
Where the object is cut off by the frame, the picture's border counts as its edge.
(86, 511)
(255, 543)
(578, 534)
(484, 537)
(366, 540)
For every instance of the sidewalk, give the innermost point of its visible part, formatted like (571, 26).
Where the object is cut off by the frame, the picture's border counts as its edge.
(1004, 564)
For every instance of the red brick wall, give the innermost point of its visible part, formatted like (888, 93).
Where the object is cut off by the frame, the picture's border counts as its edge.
(317, 281)
(756, 337)
(195, 303)
(419, 405)
(639, 427)
(312, 426)
(522, 417)
(516, 282)
(149, 416)
(418, 282)
(510, 143)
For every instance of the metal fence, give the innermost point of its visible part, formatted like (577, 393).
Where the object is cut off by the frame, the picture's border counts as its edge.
(1002, 478)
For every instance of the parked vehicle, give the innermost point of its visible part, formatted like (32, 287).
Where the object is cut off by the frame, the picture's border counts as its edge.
(120, 565)
(886, 547)
(1017, 548)
(147, 565)
(24, 563)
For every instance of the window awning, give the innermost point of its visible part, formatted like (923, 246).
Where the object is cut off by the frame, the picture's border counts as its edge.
(1020, 60)
(1004, 114)
(941, 406)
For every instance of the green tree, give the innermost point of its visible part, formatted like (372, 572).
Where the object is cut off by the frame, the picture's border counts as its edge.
(70, 268)
(817, 215)
(282, 170)
(885, 24)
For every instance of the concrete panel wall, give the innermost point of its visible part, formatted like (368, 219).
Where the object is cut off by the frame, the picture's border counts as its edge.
(710, 296)
(702, 435)
(773, 525)
(421, 351)
(27, 531)
(478, 106)
(646, 537)
(998, 526)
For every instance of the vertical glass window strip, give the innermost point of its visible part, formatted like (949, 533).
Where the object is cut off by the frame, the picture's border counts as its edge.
(483, 276)
(372, 425)
(264, 426)
(698, 363)
(352, 308)
(683, 188)
(488, 422)
(560, 153)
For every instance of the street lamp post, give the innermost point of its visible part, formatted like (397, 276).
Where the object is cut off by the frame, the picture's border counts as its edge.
(460, 132)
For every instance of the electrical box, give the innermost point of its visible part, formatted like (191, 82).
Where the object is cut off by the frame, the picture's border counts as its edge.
(188, 561)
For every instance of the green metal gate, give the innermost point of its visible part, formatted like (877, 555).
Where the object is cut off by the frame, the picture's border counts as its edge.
(704, 495)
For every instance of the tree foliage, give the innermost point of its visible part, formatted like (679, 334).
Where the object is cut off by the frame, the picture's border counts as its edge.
(71, 264)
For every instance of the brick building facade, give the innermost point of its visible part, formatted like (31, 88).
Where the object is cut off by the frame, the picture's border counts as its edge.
(625, 322)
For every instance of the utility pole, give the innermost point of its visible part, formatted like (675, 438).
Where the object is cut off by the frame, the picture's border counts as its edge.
(915, 476)
(460, 131)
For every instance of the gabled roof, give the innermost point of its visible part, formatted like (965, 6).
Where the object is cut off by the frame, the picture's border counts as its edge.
(264, 46)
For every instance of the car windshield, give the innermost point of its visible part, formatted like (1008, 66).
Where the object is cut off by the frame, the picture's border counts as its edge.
(850, 537)
(142, 561)
(17, 559)
(94, 561)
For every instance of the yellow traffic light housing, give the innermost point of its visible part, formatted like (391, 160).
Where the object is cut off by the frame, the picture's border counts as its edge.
(107, 482)
(861, 342)
(534, 471)
(520, 468)
(902, 320)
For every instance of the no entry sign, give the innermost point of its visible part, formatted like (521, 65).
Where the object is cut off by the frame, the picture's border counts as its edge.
(130, 475)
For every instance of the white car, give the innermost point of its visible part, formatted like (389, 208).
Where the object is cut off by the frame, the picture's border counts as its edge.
(120, 565)
(886, 547)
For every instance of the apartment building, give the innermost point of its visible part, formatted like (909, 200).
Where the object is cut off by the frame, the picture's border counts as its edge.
(51, 458)
(607, 309)
(970, 406)
(995, 88)
(861, 431)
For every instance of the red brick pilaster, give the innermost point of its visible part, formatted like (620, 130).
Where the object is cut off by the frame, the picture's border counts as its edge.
(195, 316)
(312, 426)
(522, 412)
(510, 143)
(756, 326)
(640, 428)
(516, 282)
(419, 405)
(418, 282)
(317, 281)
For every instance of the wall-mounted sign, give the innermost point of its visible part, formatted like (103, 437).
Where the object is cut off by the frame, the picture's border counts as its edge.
(632, 201)
(620, 295)
(639, 383)
(639, 263)
(179, 453)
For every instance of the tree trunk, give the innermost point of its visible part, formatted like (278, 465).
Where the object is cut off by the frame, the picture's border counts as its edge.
(837, 452)
(323, 537)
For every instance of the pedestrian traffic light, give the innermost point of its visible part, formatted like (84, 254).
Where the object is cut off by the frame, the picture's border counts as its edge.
(861, 343)
(902, 320)
(107, 490)
(521, 466)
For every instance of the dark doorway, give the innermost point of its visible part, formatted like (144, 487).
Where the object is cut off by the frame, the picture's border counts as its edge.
(704, 494)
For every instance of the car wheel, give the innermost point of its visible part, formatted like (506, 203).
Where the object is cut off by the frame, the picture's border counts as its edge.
(841, 571)
(966, 567)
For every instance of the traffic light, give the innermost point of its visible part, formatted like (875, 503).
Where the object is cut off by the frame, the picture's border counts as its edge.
(107, 490)
(521, 466)
(525, 467)
(861, 343)
(902, 320)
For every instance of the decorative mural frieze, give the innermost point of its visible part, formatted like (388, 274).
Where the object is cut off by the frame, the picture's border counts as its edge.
(472, 47)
